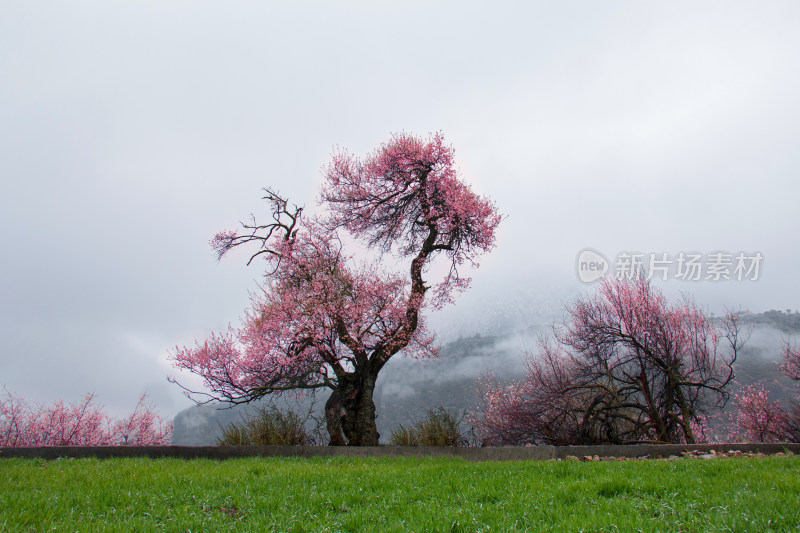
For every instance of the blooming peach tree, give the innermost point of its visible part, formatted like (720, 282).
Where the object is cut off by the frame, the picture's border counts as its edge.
(759, 419)
(791, 369)
(626, 366)
(143, 427)
(329, 318)
(791, 362)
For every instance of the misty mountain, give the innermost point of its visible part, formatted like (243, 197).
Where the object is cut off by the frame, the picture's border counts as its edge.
(787, 322)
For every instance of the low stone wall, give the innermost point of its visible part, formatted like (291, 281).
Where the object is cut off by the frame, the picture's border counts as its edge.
(536, 453)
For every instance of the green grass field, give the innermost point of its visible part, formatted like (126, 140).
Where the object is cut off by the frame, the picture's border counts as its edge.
(726, 494)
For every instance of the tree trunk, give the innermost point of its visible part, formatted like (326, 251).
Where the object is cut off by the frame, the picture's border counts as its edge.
(652, 410)
(365, 431)
(334, 412)
(350, 412)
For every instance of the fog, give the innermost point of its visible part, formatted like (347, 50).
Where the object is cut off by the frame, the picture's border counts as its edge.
(131, 132)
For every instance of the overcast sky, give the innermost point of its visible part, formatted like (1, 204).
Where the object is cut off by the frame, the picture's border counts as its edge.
(131, 132)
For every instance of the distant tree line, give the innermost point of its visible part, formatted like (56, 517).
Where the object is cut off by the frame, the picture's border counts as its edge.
(786, 321)
(82, 423)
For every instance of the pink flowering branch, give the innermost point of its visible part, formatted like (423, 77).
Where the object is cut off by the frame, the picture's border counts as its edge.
(285, 221)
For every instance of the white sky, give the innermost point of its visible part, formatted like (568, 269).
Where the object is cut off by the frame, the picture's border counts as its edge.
(131, 132)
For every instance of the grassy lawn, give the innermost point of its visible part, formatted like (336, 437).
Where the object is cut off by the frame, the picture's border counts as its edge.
(343, 494)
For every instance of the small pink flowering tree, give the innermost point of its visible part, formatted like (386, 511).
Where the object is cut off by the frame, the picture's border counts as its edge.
(143, 427)
(544, 408)
(791, 362)
(759, 419)
(791, 369)
(626, 366)
(327, 320)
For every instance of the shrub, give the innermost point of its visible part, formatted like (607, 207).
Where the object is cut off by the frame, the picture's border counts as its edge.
(437, 428)
(269, 426)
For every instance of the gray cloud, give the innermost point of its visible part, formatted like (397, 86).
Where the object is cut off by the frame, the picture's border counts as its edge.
(131, 132)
